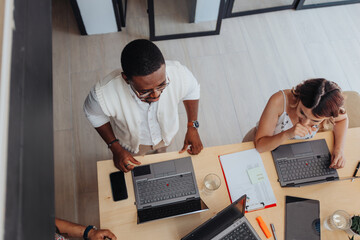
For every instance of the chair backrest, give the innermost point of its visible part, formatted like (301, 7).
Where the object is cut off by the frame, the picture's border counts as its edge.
(352, 106)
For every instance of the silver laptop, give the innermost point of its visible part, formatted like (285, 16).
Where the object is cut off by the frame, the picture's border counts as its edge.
(230, 223)
(304, 163)
(166, 189)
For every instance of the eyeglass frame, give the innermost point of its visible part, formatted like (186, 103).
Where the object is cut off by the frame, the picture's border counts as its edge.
(145, 95)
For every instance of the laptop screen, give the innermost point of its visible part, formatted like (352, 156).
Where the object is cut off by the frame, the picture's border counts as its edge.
(240, 205)
(222, 220)
(214, 226)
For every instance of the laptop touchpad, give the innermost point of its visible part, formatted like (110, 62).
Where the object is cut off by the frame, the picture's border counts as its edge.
(141, 170)
(164, 169)
(301, 148)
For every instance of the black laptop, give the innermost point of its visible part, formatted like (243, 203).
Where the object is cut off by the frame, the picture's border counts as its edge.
(166, 189)
(303, 163)
(230, 223)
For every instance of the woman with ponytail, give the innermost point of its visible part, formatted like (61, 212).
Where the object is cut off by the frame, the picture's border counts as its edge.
(298, 113)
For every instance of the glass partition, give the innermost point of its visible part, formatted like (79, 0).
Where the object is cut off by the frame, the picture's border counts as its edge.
(172, 19)
(247, 7)
(305, 4)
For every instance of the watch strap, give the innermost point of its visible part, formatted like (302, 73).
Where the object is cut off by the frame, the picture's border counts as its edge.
(112, 142)
(194, 124)
(87, 230)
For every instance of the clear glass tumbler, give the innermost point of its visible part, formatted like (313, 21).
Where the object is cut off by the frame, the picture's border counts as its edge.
(211, 182)
(339, 220)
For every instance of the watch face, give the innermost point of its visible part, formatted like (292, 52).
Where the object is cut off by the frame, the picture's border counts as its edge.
(196, 124)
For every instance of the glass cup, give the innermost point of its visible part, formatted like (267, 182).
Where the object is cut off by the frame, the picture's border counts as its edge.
(211, 182)
(339, 220)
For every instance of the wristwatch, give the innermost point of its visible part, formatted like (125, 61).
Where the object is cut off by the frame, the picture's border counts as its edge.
(194, 124)
(87, 230)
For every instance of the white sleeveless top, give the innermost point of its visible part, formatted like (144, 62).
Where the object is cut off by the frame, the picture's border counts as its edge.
(284, 123)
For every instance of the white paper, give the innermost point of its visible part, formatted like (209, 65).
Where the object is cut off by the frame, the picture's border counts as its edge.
(235, 168)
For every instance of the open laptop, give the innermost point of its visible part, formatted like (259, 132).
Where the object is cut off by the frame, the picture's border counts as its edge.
(166, 189)
(230, 223)
(304, 163)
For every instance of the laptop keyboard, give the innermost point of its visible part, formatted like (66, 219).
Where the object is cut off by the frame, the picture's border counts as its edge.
(156, 190)
(168, 210)
(303, 168)
(242, 232)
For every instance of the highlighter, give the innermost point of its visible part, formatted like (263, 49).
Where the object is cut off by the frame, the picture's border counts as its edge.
(263, 227)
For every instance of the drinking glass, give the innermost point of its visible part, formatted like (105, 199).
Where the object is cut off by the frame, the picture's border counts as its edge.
(211, 182)
(339, 220)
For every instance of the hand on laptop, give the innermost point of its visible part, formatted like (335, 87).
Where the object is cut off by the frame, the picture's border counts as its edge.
(123, 160)
(337, 159)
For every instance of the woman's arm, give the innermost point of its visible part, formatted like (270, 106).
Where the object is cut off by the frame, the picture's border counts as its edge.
(340, 129)
(264, 138)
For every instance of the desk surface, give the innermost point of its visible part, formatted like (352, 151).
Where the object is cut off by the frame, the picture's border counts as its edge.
(120, 217)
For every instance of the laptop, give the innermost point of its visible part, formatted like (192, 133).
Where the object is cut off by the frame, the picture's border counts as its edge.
(166, 189)
(303, 163)
(230, 223)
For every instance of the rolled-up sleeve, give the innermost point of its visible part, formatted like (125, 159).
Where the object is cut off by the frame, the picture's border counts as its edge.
(93, 111)
(192, 86)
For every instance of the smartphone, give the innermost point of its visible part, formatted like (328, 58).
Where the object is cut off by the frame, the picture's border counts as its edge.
(118, 186)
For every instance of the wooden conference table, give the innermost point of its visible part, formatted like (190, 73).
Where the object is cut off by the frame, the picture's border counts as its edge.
(120, 217)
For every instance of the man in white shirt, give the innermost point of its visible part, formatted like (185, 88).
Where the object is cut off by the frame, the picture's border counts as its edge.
(142, 103)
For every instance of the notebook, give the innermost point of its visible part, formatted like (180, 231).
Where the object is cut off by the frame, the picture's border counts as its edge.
(244, 173)
(303, 163)
(230, 223)
(166, 189)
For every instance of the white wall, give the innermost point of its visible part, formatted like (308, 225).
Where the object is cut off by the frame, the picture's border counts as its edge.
(206, 10)
(98, 16)
(6, 27)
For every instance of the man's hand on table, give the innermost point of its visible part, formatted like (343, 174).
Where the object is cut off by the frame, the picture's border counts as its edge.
(192, 138)
(123, 160)
(101, 234)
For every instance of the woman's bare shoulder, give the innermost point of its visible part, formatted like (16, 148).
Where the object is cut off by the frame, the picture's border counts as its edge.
(276, 101)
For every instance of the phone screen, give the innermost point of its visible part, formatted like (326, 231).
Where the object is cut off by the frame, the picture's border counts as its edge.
(118, 186)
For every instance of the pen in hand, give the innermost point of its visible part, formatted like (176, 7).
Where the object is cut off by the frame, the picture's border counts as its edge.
(273, 230)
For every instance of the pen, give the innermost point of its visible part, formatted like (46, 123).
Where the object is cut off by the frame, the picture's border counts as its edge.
(273, 230)
(356, 169)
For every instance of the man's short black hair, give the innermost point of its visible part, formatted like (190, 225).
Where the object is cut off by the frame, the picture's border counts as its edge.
(141, 57)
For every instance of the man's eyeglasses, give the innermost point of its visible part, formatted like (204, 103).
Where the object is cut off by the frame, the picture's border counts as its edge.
(142, 95)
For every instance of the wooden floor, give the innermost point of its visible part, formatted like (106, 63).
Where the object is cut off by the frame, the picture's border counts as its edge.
(253, 57)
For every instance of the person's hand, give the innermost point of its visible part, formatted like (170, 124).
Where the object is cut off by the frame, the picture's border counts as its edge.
(300, 130)
(192, 138)
(101, 234)
(337, 159)
(123, 160)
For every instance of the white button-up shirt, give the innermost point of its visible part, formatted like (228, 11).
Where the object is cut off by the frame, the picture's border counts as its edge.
(150, 132)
